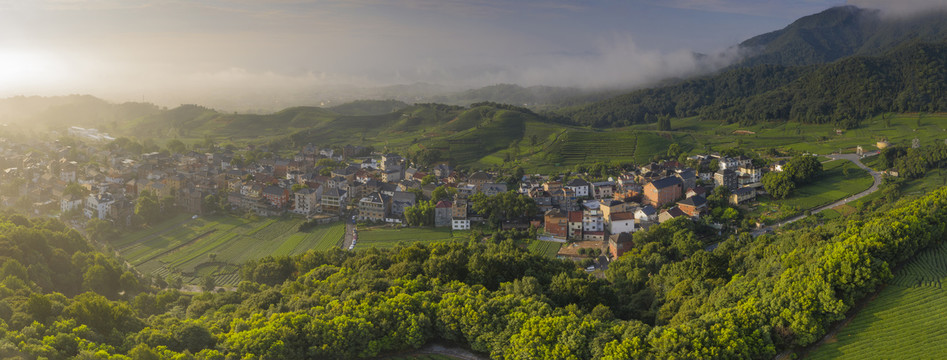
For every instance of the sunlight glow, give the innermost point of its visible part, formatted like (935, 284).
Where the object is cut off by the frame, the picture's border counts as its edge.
(23, 70)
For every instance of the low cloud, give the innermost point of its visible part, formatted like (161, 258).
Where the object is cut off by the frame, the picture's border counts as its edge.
(901, 7)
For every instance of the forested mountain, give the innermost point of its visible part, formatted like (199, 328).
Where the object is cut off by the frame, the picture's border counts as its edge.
(908, 78)
(840, 32)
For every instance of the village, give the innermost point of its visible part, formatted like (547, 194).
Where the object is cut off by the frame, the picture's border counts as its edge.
(324, 185)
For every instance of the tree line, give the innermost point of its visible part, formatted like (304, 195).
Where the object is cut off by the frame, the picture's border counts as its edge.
(671, 296)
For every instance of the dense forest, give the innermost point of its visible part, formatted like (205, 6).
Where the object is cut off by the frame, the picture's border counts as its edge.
(907, 79)
(840, 32)
(666, 298)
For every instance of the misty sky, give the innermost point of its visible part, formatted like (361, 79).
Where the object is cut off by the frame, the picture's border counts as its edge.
(167, 50)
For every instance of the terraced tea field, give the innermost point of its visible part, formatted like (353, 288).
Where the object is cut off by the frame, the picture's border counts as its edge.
(584, 147)
(218, 245)
(904, 321)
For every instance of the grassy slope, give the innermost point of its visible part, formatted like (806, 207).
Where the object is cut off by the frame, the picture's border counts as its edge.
(904, 321)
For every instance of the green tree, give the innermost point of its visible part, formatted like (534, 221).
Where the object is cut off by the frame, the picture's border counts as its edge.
(674, 150)
(147, 207)
(443, 192)
(804, 169)
(176, 146)
(421, 214)
(208, 283)
(664, 122)
(779, 185)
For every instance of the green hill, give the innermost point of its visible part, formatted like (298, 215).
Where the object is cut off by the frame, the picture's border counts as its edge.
(369, 107)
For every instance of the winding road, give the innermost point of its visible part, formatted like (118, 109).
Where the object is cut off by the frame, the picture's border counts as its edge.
(850, 157)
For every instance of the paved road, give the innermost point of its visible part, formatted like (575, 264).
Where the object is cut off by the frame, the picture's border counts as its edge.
(349, 231)
(850, 157)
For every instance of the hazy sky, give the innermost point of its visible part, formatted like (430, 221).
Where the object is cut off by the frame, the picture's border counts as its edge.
(169, 50)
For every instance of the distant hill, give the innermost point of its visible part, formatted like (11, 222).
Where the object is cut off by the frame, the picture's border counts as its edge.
(840, 32)
(74, 110)
(368, 107)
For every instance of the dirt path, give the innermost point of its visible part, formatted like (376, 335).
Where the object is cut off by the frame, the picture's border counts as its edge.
(850, 157)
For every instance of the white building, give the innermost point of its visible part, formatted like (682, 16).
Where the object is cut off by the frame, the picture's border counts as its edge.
(581, 187)
(460, 224)
(98, 205)
(622, 222)
(70, 202)
(646, 213)
(592, 221)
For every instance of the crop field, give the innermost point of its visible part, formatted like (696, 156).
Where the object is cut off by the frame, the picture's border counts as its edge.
(382, 237)
(218, 245)
(548, 249)
(902, 322)
(586, 147)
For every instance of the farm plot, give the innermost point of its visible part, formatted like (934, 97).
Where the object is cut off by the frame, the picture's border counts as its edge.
(217, 246)
(389, 237)
(904, 321)
(840, 180)
(548, 249)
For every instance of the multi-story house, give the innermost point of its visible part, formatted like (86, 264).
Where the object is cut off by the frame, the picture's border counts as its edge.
(575, 225)
(306, 201)
(621, 222)
(491, 189)
(579, 186)
(556, 223)
(277, 196)
(374, 207)
(442, 213)
(619, 243)
(592, 221)
(694, 206)
(400, 201)
(603, 189)
(70, 202)
(333, 201)
(98, 205)
(663, 191)
(726, 178)
(479, 178)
